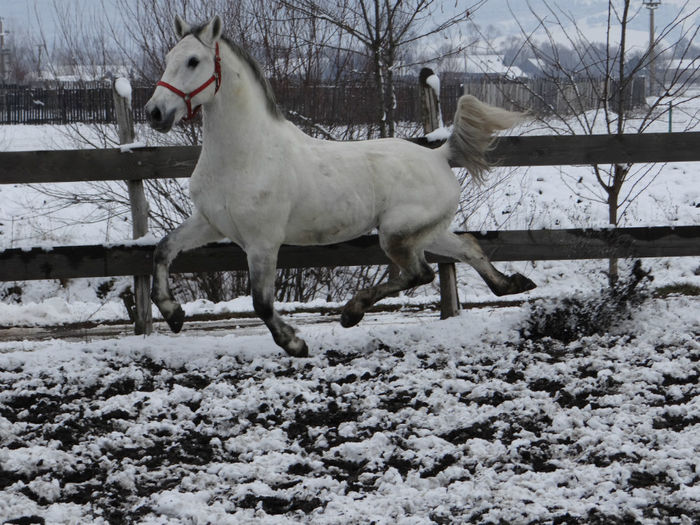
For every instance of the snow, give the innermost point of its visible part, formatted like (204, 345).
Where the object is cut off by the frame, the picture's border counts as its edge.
(441, 133)
(434, 82)
(123, 87)
(126, 148)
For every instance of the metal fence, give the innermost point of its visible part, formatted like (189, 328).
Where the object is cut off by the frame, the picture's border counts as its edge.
(347, 103)
(91, 103)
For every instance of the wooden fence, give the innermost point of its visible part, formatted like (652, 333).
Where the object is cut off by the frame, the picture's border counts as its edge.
(150, 163)
(30, 167)
(351, 104)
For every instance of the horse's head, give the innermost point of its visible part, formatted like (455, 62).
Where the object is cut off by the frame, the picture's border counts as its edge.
(192, 75)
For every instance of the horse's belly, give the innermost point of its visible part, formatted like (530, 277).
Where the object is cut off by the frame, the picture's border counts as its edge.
(328, 232)
(330, 221)
(316, 237)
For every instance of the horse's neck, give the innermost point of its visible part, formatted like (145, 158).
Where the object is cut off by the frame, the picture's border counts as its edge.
(237, 121)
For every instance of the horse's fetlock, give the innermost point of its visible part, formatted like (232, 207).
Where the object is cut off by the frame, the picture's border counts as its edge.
(175, 318)
(156, 296)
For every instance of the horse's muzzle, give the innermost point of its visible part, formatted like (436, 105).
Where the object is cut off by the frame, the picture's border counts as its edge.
(160, 121)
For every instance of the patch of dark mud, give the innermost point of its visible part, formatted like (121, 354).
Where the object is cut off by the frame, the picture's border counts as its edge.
(440, 465)
(276, 505)
(399, 400)
(482, 430)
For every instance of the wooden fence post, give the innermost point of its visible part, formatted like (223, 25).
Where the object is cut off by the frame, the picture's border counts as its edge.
(143, 320)
(432, 120)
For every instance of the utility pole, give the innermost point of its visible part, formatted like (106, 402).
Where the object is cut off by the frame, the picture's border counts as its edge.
(4, 54)
(38, 64)
(651, 5)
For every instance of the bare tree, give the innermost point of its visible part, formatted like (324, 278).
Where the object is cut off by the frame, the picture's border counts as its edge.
(381, 31)
(595, 85)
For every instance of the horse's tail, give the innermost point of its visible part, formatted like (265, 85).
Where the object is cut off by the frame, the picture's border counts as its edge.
(473, 134)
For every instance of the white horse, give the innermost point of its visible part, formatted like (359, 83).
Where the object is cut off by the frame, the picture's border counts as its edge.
(262, 182)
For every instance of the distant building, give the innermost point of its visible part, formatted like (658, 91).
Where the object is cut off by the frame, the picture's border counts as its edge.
(489, 65)
(685, 70)
(77, 75)
(477, 62)
(534, 67)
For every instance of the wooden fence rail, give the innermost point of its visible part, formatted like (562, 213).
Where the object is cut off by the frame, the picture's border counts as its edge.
(25, 167)
(68, 262)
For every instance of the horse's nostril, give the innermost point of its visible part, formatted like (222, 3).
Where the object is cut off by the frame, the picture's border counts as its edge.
(156, 115)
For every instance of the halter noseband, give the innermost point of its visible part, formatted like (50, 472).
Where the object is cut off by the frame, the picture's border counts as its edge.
(187, 97)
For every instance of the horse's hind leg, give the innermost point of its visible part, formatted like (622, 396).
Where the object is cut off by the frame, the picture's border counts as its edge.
(195, 231)
(465, 248)
(414, 272)
(262, 266)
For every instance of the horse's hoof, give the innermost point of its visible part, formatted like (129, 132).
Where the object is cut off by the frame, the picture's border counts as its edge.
(519, 283)
(516, 283)
(297, 348)
(176, 319)
(350, 318)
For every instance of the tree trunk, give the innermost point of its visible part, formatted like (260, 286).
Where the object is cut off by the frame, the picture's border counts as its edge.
(619, 174)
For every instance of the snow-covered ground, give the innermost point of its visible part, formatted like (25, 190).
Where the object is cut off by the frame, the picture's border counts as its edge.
(407, 420)
(403, 419)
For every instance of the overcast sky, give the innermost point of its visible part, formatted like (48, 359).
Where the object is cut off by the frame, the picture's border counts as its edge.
(502, 15)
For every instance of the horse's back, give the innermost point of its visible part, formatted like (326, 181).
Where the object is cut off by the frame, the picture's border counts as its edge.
(396, 170)
(344, 189)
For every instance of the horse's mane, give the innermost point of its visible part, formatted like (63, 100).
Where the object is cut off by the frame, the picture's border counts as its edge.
(255, 69)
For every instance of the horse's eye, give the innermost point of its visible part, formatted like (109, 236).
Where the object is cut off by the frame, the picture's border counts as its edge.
(192, 62)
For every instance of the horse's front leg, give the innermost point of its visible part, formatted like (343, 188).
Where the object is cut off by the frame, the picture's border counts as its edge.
(195, 231)
(262, 266)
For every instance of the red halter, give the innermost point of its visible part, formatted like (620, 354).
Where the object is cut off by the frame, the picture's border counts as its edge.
(187, 97)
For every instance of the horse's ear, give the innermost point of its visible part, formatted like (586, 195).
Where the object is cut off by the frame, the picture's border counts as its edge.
(212, 31)
(182, 28)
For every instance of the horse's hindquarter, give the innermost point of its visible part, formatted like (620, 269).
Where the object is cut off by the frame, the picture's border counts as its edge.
(345, 189)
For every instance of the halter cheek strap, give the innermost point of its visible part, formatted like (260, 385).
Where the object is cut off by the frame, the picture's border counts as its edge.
(187, 97)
